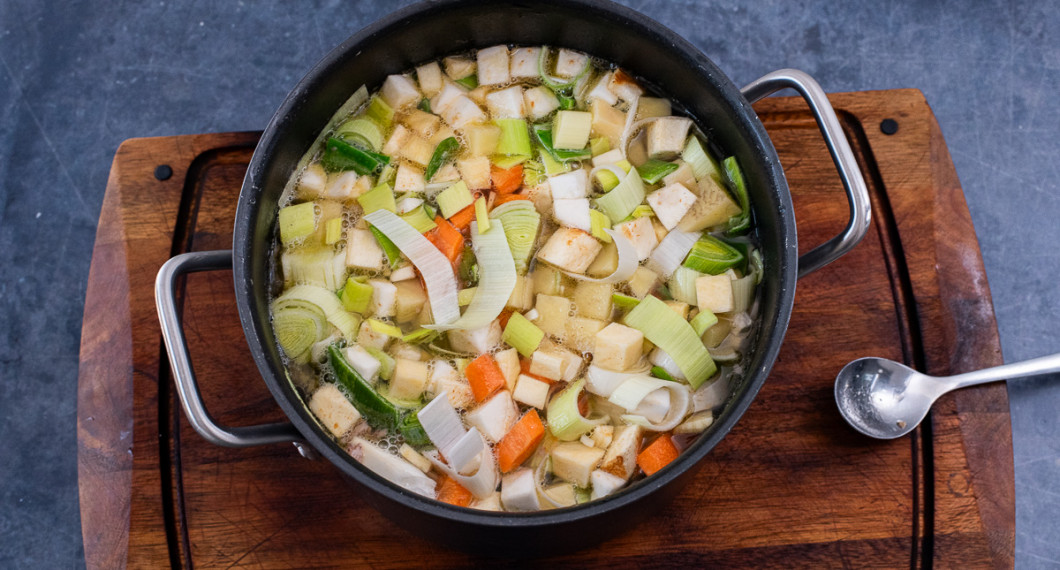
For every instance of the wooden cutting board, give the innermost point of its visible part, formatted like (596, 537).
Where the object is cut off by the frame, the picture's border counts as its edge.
(791, 485)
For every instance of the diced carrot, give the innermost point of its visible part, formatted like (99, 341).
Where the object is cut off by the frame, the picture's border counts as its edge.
(462, 219)
(453, 493)
(506, 181)
(447, 239)
(657, 455)
(484, 376)
(524, 365)
(504, 316)
(520, 441)
(504, 198)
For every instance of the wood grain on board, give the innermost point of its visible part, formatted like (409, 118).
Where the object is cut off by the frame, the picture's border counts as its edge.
(790, 485)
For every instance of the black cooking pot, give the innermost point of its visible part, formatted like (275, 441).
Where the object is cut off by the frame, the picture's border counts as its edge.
(427, 31)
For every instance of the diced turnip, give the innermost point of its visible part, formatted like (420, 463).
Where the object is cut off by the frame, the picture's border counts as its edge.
(403, 273)
(524, 62)
(495, 416)
(539, 102)
(671, 203)
(363, 251)
(666, 137)
(429, 77)
(570, 249)
(364, 363)
(476, 341)
(493, 66)
(422, 123)
(333, 410)
(399, 92)
(570, 185)
(396, 142)
(506, 103)
(518, 491)
(570, 63)
(617, 347)
(640, 232)
(573, 213)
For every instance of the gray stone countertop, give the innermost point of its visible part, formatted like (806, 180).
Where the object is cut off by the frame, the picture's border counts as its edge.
(77, 78)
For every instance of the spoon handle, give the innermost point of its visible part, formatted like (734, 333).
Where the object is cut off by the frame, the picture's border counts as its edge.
(1033, 367)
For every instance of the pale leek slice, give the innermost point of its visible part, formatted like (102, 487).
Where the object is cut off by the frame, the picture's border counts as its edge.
(437, 272)
(442, 424)
(631, 394)
(483, 482)
(682, 285)
(564, 420)
(627, 261)
(521, 222)
(620, 202)
(671, 251)
(395, 469)
(668, 331)
(602, 382)
(497, 279)
(297, 329)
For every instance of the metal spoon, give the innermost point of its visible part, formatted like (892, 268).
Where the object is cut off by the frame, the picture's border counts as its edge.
(884, 399)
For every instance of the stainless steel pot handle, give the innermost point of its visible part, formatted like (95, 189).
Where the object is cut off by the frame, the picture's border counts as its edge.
(857, 192)
(177, 349)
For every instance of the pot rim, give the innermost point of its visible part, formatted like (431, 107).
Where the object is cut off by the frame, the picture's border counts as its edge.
(295, 408)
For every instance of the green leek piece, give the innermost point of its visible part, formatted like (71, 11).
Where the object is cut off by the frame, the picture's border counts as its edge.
(654, 170)
(297, 222)
(566, 102)
(703, 321)
(388, 175)
(380, 112)
(420, 219)
(701, 162)
(624, 302)
(298, 328)
(620, 202)
(744, 247)
(420, 336)
(363, 131)
(425, 105)
(464, 296)
(386, 362)
(453, 199)
(445, 149)
(668, 331)
(333, 231)
(376, 410)
(393, 254)
(598, 222)
(410, 428)
(565, 421)
(712, 256)
(599, 145)
(743, 293)
(471, 81)
(522, 335)
(356, 295)
(543, 134)
(570, 130)
(660, 372)
(552, 166)
(682, 285)
(533, 173)
(430, 210)
(515, 137)
(521, 222)
(740, 223)
(505, 162)
(385, 328)
(320, 266)
(482, 219)
(642, 211)
(607, 180)
(340, 156)
(557, 85)
(379, 198)
(755, 265)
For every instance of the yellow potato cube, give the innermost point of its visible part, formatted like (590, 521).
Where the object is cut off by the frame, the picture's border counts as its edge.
(714, 293)
(617, 347)
(409, 379)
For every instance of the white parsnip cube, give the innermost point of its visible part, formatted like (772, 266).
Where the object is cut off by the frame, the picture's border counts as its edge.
(617, 347)
(524, 62)
(475, 172)
(476, 341)
(639, 231)
(333, 410)
(531, 391)
(370, 338)
(364, 363)
(508, 362)
(714, 293)
(409, 380)
(519, 492)
(493, 66)
(506, 103)
(570, 63)
(621, 456)
(443, 99)
(569, 185)
(666, 137)
(572, 213)
(399, 92)
(384, 297)
(462, 112)
(671, 203)
(574, 461)
(539, 102)
(602, 91)
(546, 364)
(495, 416)
(409, 178)
(570, 249)
(429, 77)
(363, 251)
(312, 181)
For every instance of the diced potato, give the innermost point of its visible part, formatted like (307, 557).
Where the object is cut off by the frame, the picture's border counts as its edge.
(608, 121)
(623, 85)
(475, 172)
(524, 62)
(508, 362)
(666, 137)
(399, 92)
(414, 457)
(482, 139)
(605, 263)
(539, 102)
(518, 491)
(713, 207)
(553, 312)
(574, 461)
(522, 298)
(601, 91)
(648, 107)
(342, 186)
(476, 341)
(369, 338)
(531, 391)
(333, 410)
(572, 364)
(409, 178)
(678, 307)
(671, 203)
(546, 364)
(462, 112)
(570, 63)
(429, 77)
(617, 347)
(642, 282)
(572, 213)
(593, 300)
(422, 123)
(409, 300)
(490, 503)
(495, 416)
(604, 484)
(418, 150)
(570, 185)
(714, 293)
(683, 175)
(457, 67)
(581, 331)
(409, 380)
(444, 379)
(364, 363)
(621, 456)
(570, 249)
(312, 181)
(640, 232)
(384, 297)
(493, 66)
(363, 251)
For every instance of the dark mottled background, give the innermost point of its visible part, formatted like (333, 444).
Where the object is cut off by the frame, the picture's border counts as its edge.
(77, 78)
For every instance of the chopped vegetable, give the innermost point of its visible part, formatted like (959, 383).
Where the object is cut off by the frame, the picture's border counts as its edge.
(442, 153)
(739, 224)
(515, 137)
(522, 335)
(654, 170)
(497, 279)
(362, 131)
(520, 221)
(449, 491)
(482, 216)
(624, 198)
(454, 198)
(520, 442)
(379, 198)
(356, 295)
(565, 419)
(447, 239)
(712, 256)
(506, 181)
(340, 155)
(393, 254)
(657, 455)
(484, 376)
(297, 222)
(674, 335)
